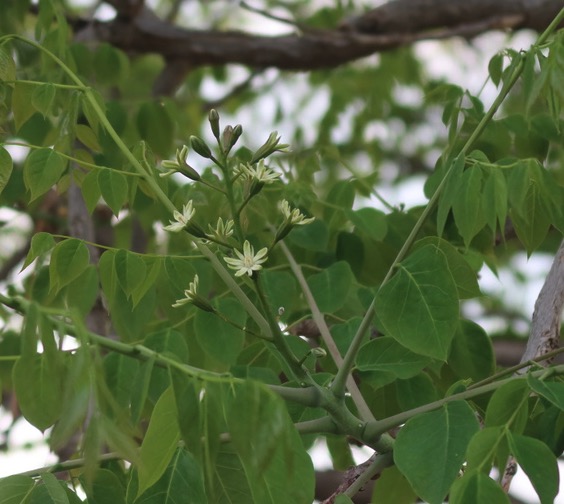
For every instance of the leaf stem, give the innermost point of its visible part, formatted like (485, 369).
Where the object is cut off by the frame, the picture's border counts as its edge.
(375, 429)
(319, 319)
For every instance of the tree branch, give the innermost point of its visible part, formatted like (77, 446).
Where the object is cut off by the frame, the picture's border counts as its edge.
(395, 24)
(545, 328)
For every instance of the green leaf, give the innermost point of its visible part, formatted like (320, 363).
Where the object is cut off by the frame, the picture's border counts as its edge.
(314, 236)
(330, 288)
(105, 488)
(42, 98)
(42, 170)
(471, 353)
(6, 166)
(219, 339)
(87, 136)
(386, 356)
(280, 483)
(160, 442)
(41, 243)
(430, 448)
(91, 190)
(488, 446)
(495, 67)
(467, 206)
(494, 200)
(261, 429)
(130, 270)
(552, 391)
(69, 259)
(416, 391)
(477, 487)
(38, 383)
(448, 194)
(190, 411)
(369, 221)
(113, 188)
(7, 65)
(55, 489)
(508, 406)
(418, 307)
(464, 276)
(14, 489)
(22, 106)
(120, 372)
(281, 290)
(156, 127)
(82, 293)
(539, 464)
(154, 266)
(110, 64)
(182, 481)
(393, 488)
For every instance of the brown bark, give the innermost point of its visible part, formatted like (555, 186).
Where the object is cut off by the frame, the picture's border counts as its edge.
(395, 24)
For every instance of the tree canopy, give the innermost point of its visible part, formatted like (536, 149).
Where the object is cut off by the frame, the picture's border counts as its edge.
(190, 299)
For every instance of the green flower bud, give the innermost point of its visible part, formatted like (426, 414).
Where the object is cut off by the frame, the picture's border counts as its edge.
(227, 139)
(213, 118)
(200, 147)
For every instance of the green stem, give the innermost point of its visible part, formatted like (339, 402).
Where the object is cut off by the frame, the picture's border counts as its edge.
(68, 465)
(319, 320)
(348, 361)
(320, 425)
(375, 429)
(279, 340)
(237, 291)
(137, 351)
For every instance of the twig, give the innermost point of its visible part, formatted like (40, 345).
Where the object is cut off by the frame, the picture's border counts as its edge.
(319, 320)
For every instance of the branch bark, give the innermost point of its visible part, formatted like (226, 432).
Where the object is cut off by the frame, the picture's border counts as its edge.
(545, 327)
(395, 24)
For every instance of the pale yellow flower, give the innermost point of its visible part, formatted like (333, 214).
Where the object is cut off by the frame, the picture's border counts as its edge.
(248, 261)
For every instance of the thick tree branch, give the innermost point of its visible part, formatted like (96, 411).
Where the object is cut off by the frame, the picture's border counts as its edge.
(545, 327)
(395, 24)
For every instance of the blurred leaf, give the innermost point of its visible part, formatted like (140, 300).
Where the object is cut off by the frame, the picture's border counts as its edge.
(477, 487)
(6, 167)
(40, 244)
(160, 442)
(68, 260)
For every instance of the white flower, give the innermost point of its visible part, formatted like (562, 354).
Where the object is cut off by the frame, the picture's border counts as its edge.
(189, 294)
(222, 230)
(248, 261)
(182, 219)
(293, 216)
(259, 173)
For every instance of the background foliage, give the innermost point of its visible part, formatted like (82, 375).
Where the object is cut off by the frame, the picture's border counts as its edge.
(219, 399)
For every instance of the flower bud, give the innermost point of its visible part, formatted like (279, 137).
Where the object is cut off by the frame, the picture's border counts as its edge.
(200, 147)
(213, 118)
(189, 172)
(227, 139)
